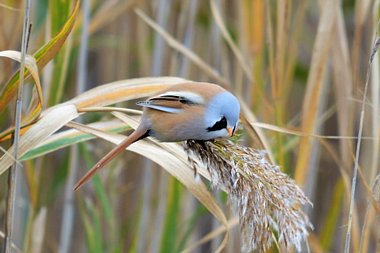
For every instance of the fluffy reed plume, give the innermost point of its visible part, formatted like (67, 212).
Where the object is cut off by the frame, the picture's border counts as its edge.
(266, 199)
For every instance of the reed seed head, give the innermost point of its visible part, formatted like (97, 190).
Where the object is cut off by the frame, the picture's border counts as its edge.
(267, 201)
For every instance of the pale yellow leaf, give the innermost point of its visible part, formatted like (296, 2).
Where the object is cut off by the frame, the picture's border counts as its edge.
(46, 126)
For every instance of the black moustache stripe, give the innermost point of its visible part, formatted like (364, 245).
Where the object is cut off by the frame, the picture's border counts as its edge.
(219, 125)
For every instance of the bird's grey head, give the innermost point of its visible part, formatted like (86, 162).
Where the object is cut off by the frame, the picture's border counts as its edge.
(222, 115)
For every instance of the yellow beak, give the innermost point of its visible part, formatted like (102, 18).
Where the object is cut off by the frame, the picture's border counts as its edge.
(230, 131)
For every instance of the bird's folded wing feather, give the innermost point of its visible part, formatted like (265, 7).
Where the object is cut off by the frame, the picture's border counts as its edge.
(172, 102)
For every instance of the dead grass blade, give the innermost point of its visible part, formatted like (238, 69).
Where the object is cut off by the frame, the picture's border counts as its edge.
(238, 54)
(69, 137)
(361, 15)
(47, 125)
(42, 56)
(10, 8)
(213, 234)
(108, 12)
(169, 161)
(257, 135)
(39, 227)
(303, 134)
(118, 91)
(12, 175)
(14, 246)
(375, 99)
(122, 90)
(212, 73)
(31, 65)
(358, 146)
(343, 84)
(314, 86)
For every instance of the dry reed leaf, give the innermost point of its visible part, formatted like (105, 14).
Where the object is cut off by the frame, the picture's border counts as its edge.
(169, 161)
(259, 139)
(108, 12)
(69, 137)
(39, 226)
(370, 217)
(375, 99)
(213, 234)
(343, 84)
(14, 246)
(212, 73)
(42, 56)
(303, 134)
(283, 18)
(31, 65)
(293, 48)
(30, 61)
(10, 8)
(110, 109)
(351, 221)
(114, 92)
(122, 90)
(219, 21)
(314, 86)
(46, 126)
(361, 11)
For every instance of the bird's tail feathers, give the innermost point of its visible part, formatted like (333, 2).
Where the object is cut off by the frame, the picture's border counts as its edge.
(135, 136)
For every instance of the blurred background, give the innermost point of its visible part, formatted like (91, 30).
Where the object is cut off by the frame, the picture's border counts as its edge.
(301, 67)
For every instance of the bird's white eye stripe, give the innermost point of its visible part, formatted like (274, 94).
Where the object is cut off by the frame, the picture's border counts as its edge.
(190, 96)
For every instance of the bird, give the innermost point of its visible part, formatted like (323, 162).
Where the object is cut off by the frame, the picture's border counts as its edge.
(187, 111)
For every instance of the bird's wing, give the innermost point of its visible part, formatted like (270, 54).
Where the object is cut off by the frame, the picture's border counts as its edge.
(172, 101)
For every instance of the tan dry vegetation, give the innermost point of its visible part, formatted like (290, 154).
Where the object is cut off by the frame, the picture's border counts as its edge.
(309, 97)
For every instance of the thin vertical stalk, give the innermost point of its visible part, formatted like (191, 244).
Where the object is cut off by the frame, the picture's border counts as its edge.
(188, 38)
(159, 49)
(358, 146)
(159, 45)
(68, 206)
(11, 197)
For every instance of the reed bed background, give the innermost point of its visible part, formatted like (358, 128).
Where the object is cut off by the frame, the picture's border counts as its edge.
(302, 68)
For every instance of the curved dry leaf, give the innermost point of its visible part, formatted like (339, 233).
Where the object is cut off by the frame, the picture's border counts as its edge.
(42, 129)
(170, 162)
(213, 234)
(122, 90)
(69, 137)
(303, 134)
(312, 98)
(10, 8)
(258, 136)
(14, 246)
(31, 65)
(219, 21)
(42, 56)
(118, 91)
(108, 12)
(184, 50)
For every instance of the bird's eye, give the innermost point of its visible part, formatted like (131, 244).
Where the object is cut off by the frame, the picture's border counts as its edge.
(219, 125)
